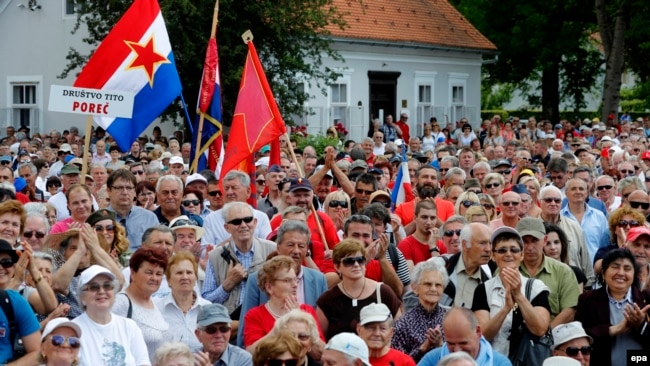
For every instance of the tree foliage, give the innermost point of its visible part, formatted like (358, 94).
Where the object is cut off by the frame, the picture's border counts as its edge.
(290, 37)
(542, 43)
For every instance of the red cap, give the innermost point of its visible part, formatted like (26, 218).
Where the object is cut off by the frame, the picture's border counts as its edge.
(636, 232)
(645, 155)
(604, 153)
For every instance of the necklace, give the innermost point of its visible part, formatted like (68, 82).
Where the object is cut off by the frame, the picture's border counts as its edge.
(354, 298)
(273, 313)
(190, 307)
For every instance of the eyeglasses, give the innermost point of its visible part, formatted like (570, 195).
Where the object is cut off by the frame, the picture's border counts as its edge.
(108, 228)
(238, 222)
(214, 193)
(451, 233)
(6, 262)
(138, 172)
(503, 250)
(444, 170)
(277, 362)
(58, 340)
(627, 172)
(552, 200)
(187, 203)
(37, 234)
(601, 188)
(573, 351)
(492, 185)
(468, 203)
(288, 281)
(631, 223)
(261, 182)
(505, 172)
(643, 205)
(123, 188)
(350, 261)
(510, 203)
(363, 191)
(488, 206)
(335, 204)
(213, 329)
(94, 287)
(623, 137)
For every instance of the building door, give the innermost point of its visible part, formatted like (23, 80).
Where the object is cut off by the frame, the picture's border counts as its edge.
(383, 94)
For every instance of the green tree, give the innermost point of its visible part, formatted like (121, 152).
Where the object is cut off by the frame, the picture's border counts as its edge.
(540, 42)
(290, 37)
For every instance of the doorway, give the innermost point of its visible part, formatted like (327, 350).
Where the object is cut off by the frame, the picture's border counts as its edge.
(383, 93)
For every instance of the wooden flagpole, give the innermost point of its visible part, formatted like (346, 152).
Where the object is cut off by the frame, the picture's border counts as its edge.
(197, 155)
(84, 167)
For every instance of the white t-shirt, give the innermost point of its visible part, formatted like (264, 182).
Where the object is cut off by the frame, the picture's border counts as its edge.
(119, 342)
(151, 322)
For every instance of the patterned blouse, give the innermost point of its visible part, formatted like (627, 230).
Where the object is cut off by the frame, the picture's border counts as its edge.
(411, 329)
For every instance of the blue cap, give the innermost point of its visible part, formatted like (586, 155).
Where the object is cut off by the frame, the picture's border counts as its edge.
(520, 189)
(20, 183)
(265, 149)
(275, 168)
(68, 158)
(5, 158)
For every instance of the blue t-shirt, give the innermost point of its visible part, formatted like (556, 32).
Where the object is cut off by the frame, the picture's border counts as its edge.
(26, 324)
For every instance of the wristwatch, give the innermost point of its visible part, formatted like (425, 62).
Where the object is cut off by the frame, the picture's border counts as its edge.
(434, 249)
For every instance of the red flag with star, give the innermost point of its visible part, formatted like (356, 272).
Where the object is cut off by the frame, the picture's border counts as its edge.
(257, 120)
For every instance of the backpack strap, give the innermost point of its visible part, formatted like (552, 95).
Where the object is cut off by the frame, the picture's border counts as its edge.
(129, 313)
(379, 292)
(8, 309)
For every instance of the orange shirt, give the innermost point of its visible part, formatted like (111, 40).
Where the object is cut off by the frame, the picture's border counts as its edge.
(406, 211)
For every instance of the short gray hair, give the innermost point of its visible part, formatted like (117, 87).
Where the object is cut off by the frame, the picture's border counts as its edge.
(169, 177)
(159, 228)
(452, 358)
(484, 165)
(630, 181)
(455, 171)
(46, 257)
(453, 159)
(31, 167)
(543, 191)
(290, 226)
(225, 210)
(244, 179)
(466, 236)
(298, 316)
(172, 350)
(428, 266)
(40, 216)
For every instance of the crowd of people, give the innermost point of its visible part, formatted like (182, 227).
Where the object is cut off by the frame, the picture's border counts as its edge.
(515, 243)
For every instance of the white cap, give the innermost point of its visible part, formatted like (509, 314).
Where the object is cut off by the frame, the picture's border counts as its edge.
(606, 138)
(567, 332)
(53, 324)
(264, 160)
(196, 177)
(561, 361)
(183, 222)
(176, 160)
(165, 155)
(91, 272)
(374, 313)
(351, 345)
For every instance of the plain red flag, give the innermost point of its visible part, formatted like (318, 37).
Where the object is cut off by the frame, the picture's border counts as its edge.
(256, 121)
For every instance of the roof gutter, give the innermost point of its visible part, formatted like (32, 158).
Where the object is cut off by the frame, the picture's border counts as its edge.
(413, 45)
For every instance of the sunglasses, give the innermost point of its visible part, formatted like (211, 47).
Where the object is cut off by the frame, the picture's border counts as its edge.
(341, 204)
(276, 362)
(108, 228)
(94, 287)
(468, 203)
(444, 170)
(505, 172)
(237, 222)
(213, 329)
(643, 205)
(492, 185)
(6, 262)
(363, 191)
(488, 206)
(601, 188)
(631, 223)
(350, 261)
(627, 172)
(58, 340)
(37, 234)
(138, 172)
(510, 203)
(451, 233)
(551, 199)
(187, 203)
(214, 193)
(573, 351)
(513, 250)
(260, 182)
(4, 162)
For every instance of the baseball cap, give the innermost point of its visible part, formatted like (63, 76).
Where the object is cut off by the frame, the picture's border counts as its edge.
(472, 183)
(528, 172)
(165, 155)
(5, 247)
(20, 183)
(350, 344)
(100, 215)
(502, 162)
(212, 313)
(5, 158)
(300, 183)
(375, 171)
(581, 149)
(374, 313)
(65, 148)
(264, 160)
(182, 222)
(265, 149)
(531, 226)
(176, 160)
(503, 230)
(606, 138)
(568, 332)
(327, 174)
(520, 189)
(550, 136)
(196, 177)
(636, 232)
(149, 146)
(53, 324)
(359, 164)
(275, 168)
(558, 125)
(69, 169)
(644, 156)
(561, 361)
(91, 272)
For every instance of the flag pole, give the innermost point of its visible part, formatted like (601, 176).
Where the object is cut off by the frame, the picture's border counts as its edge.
(84, 167)
(197, 154)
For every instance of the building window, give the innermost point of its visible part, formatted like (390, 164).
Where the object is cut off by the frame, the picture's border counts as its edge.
(424, 94)
(24, 107)
(339, 104)
(457, 95)
(70, 7)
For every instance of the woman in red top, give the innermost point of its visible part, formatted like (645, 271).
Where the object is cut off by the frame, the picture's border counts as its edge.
(278, 280)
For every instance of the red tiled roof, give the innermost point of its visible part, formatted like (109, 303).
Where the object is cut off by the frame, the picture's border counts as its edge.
(429, 22)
